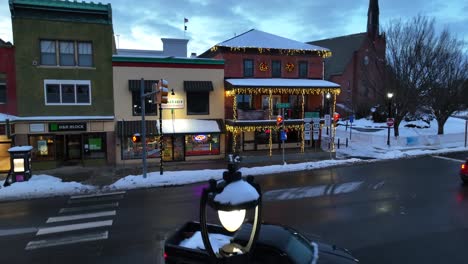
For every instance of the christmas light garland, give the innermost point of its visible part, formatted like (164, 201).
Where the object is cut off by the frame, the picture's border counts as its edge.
(289, 52)
(289, 67)
(263, 66)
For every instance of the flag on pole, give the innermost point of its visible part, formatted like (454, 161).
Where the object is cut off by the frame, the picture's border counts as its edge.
(185, 20)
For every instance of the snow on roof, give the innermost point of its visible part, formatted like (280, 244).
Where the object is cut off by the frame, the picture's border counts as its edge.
(282, 82)
(258, 39)
(4, 117)
(176, 126)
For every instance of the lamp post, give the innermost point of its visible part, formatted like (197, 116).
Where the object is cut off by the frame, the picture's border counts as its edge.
(231, 197)
(389, 97)
(328, 96)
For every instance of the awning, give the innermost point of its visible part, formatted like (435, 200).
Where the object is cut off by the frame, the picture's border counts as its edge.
(280, 83)
(134, 85)
(192, 126)
(198, 86)
(128, 128)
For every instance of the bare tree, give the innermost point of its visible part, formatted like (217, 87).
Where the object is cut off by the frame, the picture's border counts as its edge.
(447, 78)
(407, 60)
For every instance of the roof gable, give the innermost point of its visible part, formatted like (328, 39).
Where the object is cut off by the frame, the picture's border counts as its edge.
(343, 49)
(263, 41)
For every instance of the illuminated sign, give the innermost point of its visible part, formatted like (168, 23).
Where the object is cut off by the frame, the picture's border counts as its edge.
(199, 138)
(173, 103)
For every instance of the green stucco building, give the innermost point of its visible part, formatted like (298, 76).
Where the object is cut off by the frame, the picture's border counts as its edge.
(63, 55)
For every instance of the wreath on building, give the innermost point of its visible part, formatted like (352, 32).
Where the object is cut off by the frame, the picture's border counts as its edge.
(263, 66)
(289, 67)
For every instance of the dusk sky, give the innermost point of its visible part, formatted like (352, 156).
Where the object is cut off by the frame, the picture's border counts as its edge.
(141, 24)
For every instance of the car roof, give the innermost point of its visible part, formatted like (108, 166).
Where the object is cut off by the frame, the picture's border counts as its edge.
(276, 236)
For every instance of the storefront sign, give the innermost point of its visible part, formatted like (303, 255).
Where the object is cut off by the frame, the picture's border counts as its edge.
(53, 127)
(174, 103)
(37, 127)
(199, 138)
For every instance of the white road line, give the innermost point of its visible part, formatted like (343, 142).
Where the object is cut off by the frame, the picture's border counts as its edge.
(67, 240)
(445, 158)
(96, 195)
(95, 199)
(65, 228)
(79, 216)
(17, 231)
(88, 208)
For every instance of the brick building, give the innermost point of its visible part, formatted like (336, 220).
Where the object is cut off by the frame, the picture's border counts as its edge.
(355, 65)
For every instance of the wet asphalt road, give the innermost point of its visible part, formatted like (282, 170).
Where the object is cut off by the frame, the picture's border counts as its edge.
(400, 211)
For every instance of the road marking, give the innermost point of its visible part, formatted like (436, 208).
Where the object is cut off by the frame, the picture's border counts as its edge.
(88, 208)
(67, 240)
(65, 228)
(96, 195)
(451, 159)
(313, 191)
(95, 199)
(17, 231)
(79, 216)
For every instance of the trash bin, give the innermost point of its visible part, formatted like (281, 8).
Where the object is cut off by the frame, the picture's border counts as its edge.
(20, 164)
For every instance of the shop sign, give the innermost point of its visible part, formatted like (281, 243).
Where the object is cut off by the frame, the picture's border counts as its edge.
(199, 138)
(55, 127)
(174, 103)
(37, 127)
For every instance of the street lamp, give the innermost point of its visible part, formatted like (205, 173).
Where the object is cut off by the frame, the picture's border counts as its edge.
(389, 97)
(231, 198)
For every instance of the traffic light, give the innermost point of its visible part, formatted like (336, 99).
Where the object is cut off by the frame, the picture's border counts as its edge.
(279, 120)
(136, 138)
(336, 116)
(163, 92)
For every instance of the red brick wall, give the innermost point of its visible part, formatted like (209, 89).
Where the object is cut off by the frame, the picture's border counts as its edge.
(7, 66)
(234, 64)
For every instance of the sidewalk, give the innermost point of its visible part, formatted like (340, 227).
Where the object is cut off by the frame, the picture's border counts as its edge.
(106, 175)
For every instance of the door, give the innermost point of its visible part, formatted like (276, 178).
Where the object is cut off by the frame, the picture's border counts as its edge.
(73, 147)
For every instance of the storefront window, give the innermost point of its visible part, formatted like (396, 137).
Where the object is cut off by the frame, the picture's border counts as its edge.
(43, 147)
(94, 146)
(132, 150)
(201, 144)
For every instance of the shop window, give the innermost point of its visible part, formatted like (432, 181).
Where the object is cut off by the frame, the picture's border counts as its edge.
(132, 150)
(43, 147)
(198, 103)
(3, 92)
(150, 106)
(248, 68)
(276, 69)
(94, 146)
(275, 99)
(303, 69)
(67, 92)
(201, 144)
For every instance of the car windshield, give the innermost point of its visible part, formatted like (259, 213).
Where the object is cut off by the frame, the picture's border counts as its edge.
(299, 249)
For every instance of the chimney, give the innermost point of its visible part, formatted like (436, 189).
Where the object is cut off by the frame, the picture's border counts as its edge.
(193, 55)
(174, 47)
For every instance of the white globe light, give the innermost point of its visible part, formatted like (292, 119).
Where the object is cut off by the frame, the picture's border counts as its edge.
(231, 220)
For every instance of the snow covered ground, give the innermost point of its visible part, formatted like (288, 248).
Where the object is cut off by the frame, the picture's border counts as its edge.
(367, 140)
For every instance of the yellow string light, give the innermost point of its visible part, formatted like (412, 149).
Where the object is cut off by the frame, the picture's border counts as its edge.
(322, 53)
(234, 107)
(289, 91)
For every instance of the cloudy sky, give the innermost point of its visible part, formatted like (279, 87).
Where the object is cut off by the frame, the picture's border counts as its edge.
(141, 24)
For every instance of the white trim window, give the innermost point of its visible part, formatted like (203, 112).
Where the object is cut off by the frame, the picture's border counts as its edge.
(67, 92)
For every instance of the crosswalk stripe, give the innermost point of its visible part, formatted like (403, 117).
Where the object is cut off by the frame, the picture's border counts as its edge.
(67, 240)
(451, 159)
(95, 199)
(96, 195)
(72, 227)
(79, 216)
(88, 208)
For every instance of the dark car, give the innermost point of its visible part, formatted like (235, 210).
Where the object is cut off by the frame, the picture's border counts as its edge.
(279, 244)
(464, 172)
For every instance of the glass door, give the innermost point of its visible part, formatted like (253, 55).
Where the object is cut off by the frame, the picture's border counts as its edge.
(73, 147)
